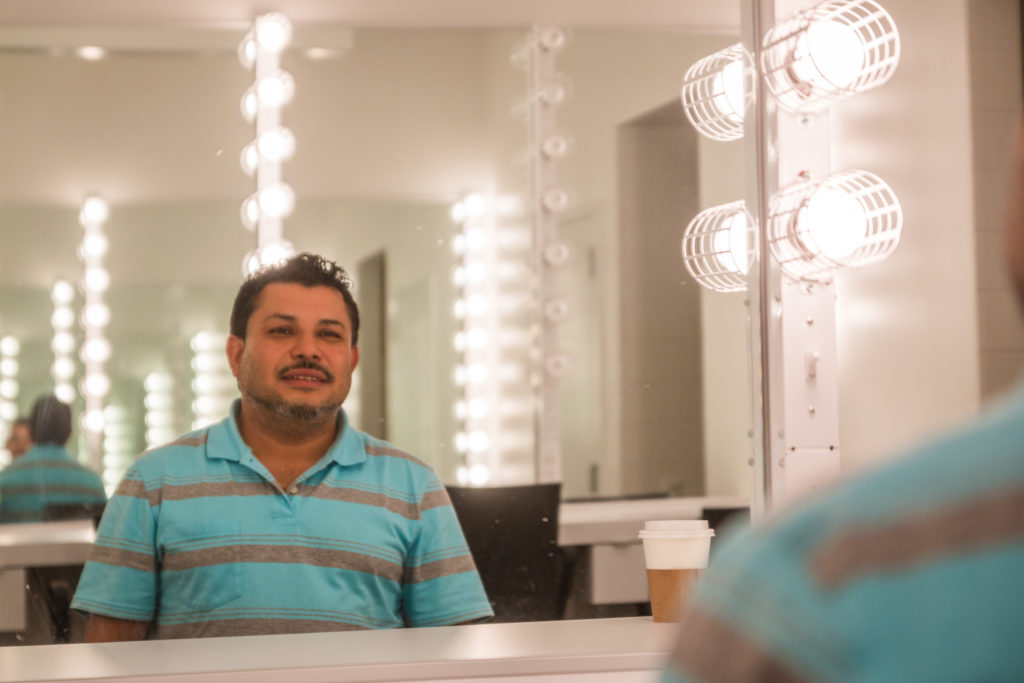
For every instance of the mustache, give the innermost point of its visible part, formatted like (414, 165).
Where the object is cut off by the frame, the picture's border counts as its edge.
(308, 365)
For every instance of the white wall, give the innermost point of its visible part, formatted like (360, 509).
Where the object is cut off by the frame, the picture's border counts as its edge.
(907, 329)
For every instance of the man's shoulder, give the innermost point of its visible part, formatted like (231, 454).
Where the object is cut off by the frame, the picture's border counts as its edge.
(187, 448)
(382, 451)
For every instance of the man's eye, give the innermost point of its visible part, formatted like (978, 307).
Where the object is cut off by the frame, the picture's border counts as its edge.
(330, 333)
(280, 330)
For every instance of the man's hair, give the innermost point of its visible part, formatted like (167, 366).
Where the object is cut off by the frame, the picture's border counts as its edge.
(50, 421)
(308, 270)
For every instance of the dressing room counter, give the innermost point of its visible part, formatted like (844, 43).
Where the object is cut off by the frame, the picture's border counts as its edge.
(621, 650)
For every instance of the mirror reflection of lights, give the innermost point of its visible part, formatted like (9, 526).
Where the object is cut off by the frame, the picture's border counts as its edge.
(10, 346)
(847, 220)
(716, 92)
(96, 350)
(276, 90)
(63, 318)
(96, 384)
(96, 315)
(276, 145)
(272, 31)
(65, 392)
(8, 411)
(830, 52)
(94, 245)
(63, 342)
(93, 421)
(717, 247)
(96, 279)
(64, 368)
(95, 211)
(90, 53)
(63, 292)
(9, 388)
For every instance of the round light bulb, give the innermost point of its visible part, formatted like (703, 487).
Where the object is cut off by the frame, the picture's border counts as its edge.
(63, 292)
(249, 105)
(157, 381)
(479, 441)
(479, 475)
(276, 252)
(478, 408)
(8, 411)
(273, 31)
(727, 86)
(96, 315)
(96, 279)
(247, 52)
(276, 145)
(477, 373)
(249, 160)
(93, 421)
(206, 341)
(275, 90)
(158, 402)
(832, 52)
(9, 367)
(64, 392)
(475, 205)
(63, 343)
(458, 212)
(9, 388)
(462, 442)
(63, 368)
(276, 201)
(96, 350)
(730, 244)
(63, 318)
(94, 245)
(96, 384)
(834, 223)
(9, 346)
(94, 212)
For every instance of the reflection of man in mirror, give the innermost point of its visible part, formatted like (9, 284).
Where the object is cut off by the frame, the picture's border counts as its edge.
(912, 573)
(282, 518)
(20, 438)
(45, 475)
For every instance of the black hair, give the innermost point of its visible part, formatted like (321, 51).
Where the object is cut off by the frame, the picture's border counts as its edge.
(308, 270)
(49, 422)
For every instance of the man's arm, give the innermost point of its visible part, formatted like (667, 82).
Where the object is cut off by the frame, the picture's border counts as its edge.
(100, 629)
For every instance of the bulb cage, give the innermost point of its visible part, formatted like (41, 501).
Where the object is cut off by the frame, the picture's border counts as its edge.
(793, 245)
(707, 251)
(794, 74)
(704, 94)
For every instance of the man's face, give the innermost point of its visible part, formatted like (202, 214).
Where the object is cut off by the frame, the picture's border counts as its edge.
(297, 358)
(19, 441)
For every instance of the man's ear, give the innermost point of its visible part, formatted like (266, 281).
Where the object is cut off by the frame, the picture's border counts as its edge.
(355, 357)
(234, 349)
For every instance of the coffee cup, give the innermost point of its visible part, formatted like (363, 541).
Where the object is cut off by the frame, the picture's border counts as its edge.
(676, 552)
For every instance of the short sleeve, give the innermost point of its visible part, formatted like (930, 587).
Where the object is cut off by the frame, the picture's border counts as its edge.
(441, 584)
(121, 577)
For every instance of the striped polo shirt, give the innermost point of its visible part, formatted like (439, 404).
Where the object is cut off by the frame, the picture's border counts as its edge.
(45, 475)
(912, 573)
(200, 540)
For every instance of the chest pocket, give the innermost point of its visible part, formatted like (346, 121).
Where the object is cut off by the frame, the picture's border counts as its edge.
(201, 563)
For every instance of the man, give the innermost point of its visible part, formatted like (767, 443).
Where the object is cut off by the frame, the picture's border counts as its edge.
(914, 573)
(20, 439)
(46, 475)
(282, 518)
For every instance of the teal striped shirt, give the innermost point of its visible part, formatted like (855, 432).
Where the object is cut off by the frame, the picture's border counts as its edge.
(202, 541)
(912, 573)
(45, 475)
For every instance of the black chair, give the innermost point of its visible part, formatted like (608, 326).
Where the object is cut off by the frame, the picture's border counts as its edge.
(512, 532)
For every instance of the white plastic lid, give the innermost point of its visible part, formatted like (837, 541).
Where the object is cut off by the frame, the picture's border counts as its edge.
(676, 528)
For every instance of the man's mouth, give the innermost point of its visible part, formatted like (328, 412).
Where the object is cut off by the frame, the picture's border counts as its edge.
(306, 375)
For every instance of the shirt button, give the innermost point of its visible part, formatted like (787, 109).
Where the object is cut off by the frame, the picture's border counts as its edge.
(293, 490)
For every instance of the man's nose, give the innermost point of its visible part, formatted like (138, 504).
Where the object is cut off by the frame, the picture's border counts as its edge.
(306, 346)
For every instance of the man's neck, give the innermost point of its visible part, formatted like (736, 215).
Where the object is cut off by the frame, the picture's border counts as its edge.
(287, 447)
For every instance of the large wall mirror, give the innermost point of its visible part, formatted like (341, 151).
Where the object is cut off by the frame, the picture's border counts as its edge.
(393, 125)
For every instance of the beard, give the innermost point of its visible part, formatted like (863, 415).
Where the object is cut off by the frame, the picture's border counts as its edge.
(270, 400)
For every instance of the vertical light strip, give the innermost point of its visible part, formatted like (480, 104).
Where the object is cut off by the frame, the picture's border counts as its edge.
(159, 402)
(120, 435)
(64, 342)
(10, 348)
(95, 317)
(549, 146)
(273, 88)
(212, 383)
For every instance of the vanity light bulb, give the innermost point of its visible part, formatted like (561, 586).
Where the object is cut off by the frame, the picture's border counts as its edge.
(205, 405)
(158, 402)
(96, 315)
(460, 341)
(94, 212)
(63, 318)
(554, 146)
(63, 342)
(275, 90)
(459, 244)
(475, 205)
(9, 367)
(835, 223)
(247, 52)
(96, 350)
(458, 212)
(477, 305)
(249, 105)
(9, 388)
(273, 31)
(475, 239)
(477, 338)
(459, 276)
(94, 245)
(479, 441)
(828, 54)
(249, 160)
(96, 279)
(730, 244)
(205, 362)
(8, 411)
(63, 368)
(461, 411)
(728, 89)
(207, 341)
(479, 475)
(475, 272)
(459, 308)
(250, 213)
(461, 442)
(64, 392)
(276, 201)
(478, 409)
(477, 373)
(97, 385)
(158, 381)
(276, 145)
(460, 375)
(63, 292)
(276, 252)
(9, 346)
(203, 383)
(93, 421)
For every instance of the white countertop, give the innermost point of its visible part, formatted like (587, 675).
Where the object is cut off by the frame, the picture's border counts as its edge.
(41, 544)
(585, 648)
(620, 521)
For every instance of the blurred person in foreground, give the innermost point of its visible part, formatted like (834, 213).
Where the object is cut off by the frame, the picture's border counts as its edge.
(45, 474)
(912, 573)
(281, 518)
(20, 438)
